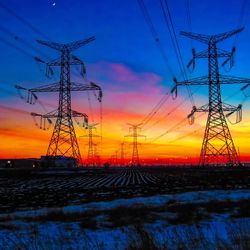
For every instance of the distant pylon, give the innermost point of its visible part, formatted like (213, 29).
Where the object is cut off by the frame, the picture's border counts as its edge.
(218, 146)
(92, 159)
(63, 141)
(122, 154)
(134, 128)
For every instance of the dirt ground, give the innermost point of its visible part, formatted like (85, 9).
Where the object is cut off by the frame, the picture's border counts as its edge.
(29, 189)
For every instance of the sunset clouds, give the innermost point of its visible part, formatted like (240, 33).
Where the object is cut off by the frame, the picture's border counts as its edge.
(129, 96)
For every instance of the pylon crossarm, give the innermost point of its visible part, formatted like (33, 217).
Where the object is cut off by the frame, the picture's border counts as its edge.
(39, 60)
(54, 114)
(223, 53)
(220, 37)
(69, 46)
(77, 114)
(53, 45)
(202, 54)
(54, 87)
(138, 135)
(44, 122)
(191, 115)
(196, 36)
(74, 60)
(85, 87)
(30, 97)
(211, 38)
(51, 114)
(75, 45)
(134, 125)
(55, 62)
(233, 80)
(195, 81)
(232, 110)
(204, 108)
(205, 54)
(128, 135)
(49, 71)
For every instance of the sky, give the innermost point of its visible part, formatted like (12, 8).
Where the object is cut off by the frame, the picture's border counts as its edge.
(127, 63)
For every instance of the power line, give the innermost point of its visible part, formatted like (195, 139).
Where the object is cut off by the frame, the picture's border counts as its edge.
(190, 28)
(155, 110)
(170, 26)
(188, 18)
(171, 111)
(187, 5)
(10, 44)
(17, 38)
(177, 125)
(202, 127)
(178, 54)
(27, 44)
(217, 129)
(169, 130)
(187, 135)
(24, 21)
(155, 34)
(242, 17)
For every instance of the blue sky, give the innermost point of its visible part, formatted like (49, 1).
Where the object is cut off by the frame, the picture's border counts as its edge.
(121, 32)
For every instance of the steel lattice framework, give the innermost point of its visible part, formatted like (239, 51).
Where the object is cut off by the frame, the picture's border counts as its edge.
(92, 157)
(63, 141)
(134, 128)
(122, 154)
(218, 146)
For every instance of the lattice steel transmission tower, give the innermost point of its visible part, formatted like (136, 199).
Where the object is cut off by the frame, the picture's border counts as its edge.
(63, 141)
(135, 128)
(218, 146)
(122, 154)
(92, 159)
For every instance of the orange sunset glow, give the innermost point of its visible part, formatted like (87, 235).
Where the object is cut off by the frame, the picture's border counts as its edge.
(169, 137)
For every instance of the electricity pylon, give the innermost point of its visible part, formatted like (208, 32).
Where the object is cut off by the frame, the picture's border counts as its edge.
(122, 154)
(134, 128)
(63, 141)
(218, 146)
(92, 159)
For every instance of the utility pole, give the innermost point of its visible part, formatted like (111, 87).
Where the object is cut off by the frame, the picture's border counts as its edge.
(218, 146)
(92, 156)
(63, 141)
(135, 128)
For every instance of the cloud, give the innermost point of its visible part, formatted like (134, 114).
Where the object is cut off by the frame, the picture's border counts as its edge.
(119, 77)
(129, 96)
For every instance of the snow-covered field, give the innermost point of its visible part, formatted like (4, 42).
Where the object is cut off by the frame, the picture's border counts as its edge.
(192, 220)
